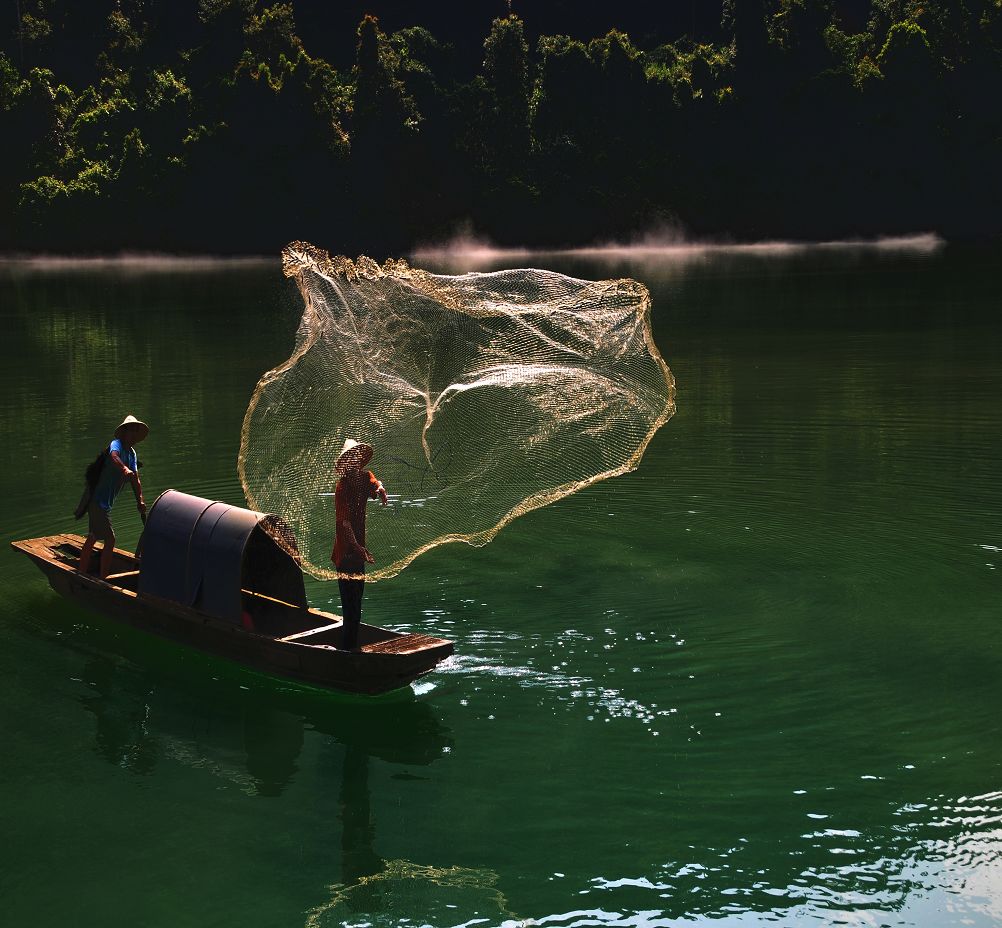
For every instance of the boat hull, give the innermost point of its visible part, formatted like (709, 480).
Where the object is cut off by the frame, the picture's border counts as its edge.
(386, 660)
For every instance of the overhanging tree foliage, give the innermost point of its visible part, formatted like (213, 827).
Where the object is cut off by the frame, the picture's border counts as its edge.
(213, 124)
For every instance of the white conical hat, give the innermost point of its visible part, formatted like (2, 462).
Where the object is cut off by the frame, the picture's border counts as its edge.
(132, 420)
(351, 445)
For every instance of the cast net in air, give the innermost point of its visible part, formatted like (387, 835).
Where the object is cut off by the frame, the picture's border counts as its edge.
(484, 396)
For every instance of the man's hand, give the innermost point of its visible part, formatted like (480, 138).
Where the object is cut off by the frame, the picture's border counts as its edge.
(364, 552)
(141, 506)
(381, 493)
(127, 474)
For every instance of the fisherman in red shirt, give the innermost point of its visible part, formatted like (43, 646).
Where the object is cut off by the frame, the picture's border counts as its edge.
(355, 487)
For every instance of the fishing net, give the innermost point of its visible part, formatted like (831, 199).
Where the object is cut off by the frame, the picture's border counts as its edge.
(400, 892)
(485, 396)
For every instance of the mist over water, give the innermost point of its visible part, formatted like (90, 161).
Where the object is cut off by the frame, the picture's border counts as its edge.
(468, 250)
(131, 263)
(658, 248)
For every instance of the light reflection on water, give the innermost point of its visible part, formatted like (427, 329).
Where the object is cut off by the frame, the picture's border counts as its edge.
(756, 681)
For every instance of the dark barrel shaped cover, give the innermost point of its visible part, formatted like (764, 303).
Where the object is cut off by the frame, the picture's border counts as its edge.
(203, 554)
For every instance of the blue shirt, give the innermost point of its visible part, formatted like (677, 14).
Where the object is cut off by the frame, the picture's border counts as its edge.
(111, 480)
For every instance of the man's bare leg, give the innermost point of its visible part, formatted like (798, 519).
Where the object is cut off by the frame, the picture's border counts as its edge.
(85, 553)
(107, 553)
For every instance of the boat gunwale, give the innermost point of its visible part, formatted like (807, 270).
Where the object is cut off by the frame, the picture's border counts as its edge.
(42, 551)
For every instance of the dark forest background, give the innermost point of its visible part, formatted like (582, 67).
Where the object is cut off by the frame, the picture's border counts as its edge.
(239, 125)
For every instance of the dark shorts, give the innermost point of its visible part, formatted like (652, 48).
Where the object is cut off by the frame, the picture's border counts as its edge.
(99, 522)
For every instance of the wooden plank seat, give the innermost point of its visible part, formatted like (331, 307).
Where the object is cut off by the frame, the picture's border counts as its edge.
(311, 631)
(401, 645)
(123, 575)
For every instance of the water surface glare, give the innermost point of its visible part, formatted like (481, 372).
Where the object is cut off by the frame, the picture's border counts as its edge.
(757, 681)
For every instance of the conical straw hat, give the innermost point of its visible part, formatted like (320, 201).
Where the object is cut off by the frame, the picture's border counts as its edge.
(132, 420)
(350, 445)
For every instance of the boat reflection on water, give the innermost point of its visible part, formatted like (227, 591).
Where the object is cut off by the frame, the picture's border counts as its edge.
(120, 706)
(250, 735)
(262, 737)
(358, 829)
(313, 751)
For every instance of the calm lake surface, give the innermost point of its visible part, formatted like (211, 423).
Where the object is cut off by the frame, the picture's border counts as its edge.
(759, 680)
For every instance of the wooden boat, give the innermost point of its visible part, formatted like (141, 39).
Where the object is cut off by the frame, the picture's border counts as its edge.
(227, 580)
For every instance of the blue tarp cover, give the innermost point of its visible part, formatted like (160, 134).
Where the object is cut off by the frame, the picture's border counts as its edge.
(201, 554)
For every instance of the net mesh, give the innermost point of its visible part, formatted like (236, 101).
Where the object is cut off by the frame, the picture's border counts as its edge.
(485, 396)
(401, 892)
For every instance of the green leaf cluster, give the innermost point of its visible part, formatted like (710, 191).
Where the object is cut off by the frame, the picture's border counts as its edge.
(223, 124)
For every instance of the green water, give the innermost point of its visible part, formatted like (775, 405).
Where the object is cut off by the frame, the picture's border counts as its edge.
(759, 680)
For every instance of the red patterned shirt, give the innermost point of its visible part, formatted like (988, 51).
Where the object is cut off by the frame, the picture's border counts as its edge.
(350, 496)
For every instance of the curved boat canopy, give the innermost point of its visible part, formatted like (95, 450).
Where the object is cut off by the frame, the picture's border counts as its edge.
(206, 554)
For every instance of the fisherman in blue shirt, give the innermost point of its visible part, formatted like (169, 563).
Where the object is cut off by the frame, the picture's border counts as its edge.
(121, 466)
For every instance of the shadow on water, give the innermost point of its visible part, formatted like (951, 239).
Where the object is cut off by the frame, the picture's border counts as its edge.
(155, 704)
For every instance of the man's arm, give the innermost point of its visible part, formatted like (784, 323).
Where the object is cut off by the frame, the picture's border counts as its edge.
(127, 472)
(133, 477)
(137, 488)
(348, 535)
(377, 488)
